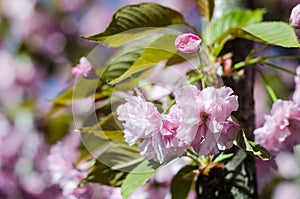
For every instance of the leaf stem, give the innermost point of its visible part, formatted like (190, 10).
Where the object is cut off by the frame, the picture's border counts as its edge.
(280, 68)
(283, 57)
(267, 85)
(201, 70)
(248, 62)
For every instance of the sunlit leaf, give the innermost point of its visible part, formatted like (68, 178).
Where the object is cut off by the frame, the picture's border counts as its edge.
(133, 21)
(233, 19)
(138, 177)
(274, 33)
(251, 147)
(161, 49)
(106, 129)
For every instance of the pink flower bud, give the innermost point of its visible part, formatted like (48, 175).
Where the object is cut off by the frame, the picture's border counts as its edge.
(83, 69)
(295, 16)
(188, 43)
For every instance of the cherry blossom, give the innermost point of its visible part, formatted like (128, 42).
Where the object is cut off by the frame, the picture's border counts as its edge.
(142, 121)
(64, 172)
(198, 119)
(188, 43)
(83, 69)
(205, 114)
(280, 131)
(295, 16)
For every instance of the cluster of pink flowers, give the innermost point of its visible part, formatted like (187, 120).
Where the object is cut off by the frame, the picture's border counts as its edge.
(280, 131)
(64, 172)
(198, 119)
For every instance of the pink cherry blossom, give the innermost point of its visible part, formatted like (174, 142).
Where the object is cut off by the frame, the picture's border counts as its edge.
(142, 119)
(83, 69)
(280, 131)
(287, 190)
(143, 122)
(295, 16)
(188, 43)
(64, 172)
(205, 114)
(296, 95)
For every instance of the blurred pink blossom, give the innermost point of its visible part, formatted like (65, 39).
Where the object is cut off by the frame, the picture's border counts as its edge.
(64, 172)
(287, 190)
(296, 95)
(188, 43)
(83, 69)
(295, 16)
(205, 114)
(288, 165)
(280, 131)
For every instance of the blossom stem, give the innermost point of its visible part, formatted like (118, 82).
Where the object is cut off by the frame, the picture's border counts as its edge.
(248, 62)
(267, 85)
(192, 152)
(202, 70)
(280, 68)
(283, 57)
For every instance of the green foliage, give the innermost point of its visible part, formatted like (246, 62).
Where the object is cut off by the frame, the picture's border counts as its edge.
(113, 165)
(182, 182)
(138, 177)
(206, 8)
(103, 174)
(273, 33)
(106, 129)
(83, 88)
(251, 147)
(120, 65)
(56, 128)
(133, 21)
(161, 49)
(218, 30)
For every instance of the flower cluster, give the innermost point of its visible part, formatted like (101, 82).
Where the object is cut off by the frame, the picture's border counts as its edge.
(64, 173)
(280, 131)
(198, 119)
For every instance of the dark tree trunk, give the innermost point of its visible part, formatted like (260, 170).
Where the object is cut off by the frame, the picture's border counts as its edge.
(238, 179)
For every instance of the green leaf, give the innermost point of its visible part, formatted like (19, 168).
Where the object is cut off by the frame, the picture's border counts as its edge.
(222, 156)
(251, 147)
(182, 182)
(274, 33)
(233, 19)
(82, 89)
(138, 177)
(106, 129)
(113, 165)
(103, 174)
(206, 8)
(56, 127)
(133, 21)
(120, 65)
(161, 49)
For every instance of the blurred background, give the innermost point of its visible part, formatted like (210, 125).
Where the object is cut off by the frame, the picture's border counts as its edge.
(39, 44)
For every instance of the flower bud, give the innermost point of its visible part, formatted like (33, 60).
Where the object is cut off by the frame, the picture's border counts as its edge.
(295, 16)
(83, 69)
(188, 43)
